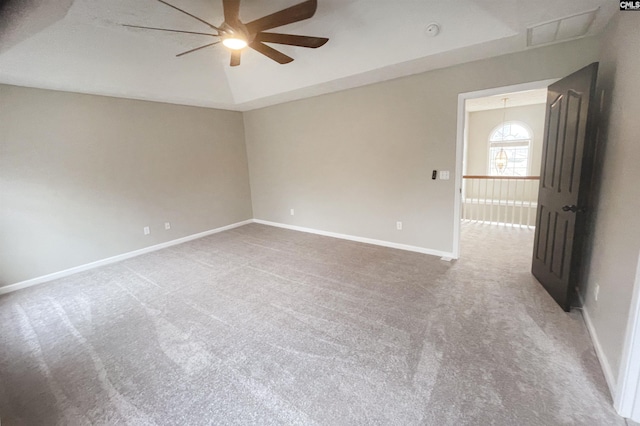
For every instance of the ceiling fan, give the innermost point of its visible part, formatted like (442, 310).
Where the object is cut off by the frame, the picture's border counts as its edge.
(237, 35)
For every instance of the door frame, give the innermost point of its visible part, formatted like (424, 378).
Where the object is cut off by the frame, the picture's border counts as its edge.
(460, 139)
(627, 393)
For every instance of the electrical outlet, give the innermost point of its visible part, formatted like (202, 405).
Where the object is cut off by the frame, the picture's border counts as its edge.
(167, 226)
(596, 291)
(399, 226)
(146, 230)
(293, 212)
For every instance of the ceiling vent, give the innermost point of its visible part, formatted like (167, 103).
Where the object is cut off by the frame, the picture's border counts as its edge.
(562, 29)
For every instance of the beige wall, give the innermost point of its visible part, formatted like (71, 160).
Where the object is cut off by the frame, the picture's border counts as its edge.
(357, 161)
(614, 242)
(482, 123)
(80, 176)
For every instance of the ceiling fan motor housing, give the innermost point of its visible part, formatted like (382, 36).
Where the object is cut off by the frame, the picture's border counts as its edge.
(238, 30)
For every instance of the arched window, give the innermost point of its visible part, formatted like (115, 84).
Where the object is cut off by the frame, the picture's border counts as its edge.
(509, 149)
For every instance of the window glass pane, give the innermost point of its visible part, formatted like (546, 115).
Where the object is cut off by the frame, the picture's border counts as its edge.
(517, 160)
(512, 138)
(510, 132)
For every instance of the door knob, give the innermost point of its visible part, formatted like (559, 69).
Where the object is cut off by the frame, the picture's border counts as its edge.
(572, 208)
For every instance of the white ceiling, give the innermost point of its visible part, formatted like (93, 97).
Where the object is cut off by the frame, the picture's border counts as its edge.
(515, 99)
(80, 46)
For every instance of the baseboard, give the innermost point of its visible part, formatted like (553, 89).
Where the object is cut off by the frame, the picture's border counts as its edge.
(358, 239)
(627, 401)
(602, 358)
(61, 274)
(65, 273)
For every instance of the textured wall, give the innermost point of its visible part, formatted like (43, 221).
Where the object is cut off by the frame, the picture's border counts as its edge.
(357, 161)
(614, 241)
(81, 175)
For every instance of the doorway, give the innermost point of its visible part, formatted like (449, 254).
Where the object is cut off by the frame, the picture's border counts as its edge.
(498, 156)
(572, 126)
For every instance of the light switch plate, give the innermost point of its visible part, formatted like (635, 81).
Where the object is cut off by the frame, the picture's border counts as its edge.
(444, 174)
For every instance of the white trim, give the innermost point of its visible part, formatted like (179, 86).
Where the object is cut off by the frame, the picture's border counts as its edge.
(457, 198)
(461, 123)
(602, 358)
(358, 239)
(627, 398)
(65, 273)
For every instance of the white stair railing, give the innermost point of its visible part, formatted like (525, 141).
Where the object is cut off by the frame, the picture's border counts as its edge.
(507, 200)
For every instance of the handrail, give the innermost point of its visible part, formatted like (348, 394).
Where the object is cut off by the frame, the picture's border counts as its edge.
(501, 177)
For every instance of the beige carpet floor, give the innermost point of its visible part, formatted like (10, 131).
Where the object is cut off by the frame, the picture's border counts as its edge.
(260, 325)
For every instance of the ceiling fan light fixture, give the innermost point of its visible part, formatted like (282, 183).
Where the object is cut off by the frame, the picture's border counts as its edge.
(234, 42)
(236, 35)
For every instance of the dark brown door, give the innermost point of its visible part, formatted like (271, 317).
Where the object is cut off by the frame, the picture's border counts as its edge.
(565, 174)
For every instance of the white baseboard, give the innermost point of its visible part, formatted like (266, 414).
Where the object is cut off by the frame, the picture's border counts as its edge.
(627, 401)
(65, 273)
(49, 277)
(358, 239)
(602, 358)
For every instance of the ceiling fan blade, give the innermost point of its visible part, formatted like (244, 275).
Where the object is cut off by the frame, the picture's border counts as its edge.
(166, 29)
(299, 12)
(292, 40)
(231, 11)
(235, 58)
(187, 13)
(197, 48)
(270, 52)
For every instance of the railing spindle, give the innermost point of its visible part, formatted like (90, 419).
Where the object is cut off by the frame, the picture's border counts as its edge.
(472, 200)
(464, 198)
(493, 191)
(529, 208)
(513, 207)
(484, 201)
(477, 210)
(493, 199)
(500, 204)
(524, 194)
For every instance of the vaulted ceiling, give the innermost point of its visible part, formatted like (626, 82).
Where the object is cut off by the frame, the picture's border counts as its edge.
(81, 45)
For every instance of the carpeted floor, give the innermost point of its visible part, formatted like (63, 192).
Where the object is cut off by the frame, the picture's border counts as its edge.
(261, 325)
